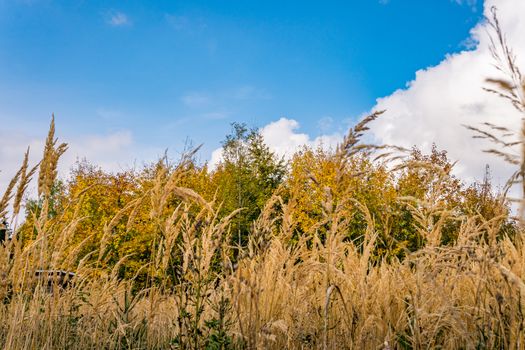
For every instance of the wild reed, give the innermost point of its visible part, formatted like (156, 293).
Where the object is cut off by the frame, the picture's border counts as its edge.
(345, 279)
(318, 290)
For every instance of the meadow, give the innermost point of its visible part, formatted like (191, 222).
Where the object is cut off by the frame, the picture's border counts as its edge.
(360, 247)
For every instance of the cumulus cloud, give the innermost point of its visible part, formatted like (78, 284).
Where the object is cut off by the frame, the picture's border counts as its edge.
(284, 139)
(112, 151)
(118, 19)
(115, 151)
(12, 149)
(434, 106)
(325, 123)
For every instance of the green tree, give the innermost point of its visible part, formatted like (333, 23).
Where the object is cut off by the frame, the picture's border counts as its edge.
(247, 176)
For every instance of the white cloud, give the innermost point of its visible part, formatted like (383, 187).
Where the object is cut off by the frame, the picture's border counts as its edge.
(112, 152)
(13, 145)
(325, 123)
(118, 19)
(433, 107)
(115, 151)
(216, 158)
(283, 138)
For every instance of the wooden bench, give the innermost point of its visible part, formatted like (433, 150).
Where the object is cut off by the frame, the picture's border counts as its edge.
(55, 278)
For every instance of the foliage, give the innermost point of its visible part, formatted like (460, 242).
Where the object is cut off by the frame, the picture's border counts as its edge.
(356, 247)
(246, 178)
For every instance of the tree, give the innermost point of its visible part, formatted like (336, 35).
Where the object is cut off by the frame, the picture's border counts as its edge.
(246, 177)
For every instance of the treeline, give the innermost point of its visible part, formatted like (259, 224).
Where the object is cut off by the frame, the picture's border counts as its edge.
(405, 199)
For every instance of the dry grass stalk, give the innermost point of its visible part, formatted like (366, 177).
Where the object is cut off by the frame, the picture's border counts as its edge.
(25, 179)
(279, 293)
(48, 165)
(512, 89)
(8, 195)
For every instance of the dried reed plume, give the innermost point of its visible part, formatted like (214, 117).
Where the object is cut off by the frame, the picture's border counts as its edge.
(48, 165)
(326, 287)
(512, 89)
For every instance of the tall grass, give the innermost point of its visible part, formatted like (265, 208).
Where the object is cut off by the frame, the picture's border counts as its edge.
(282, 292)
(319, 290)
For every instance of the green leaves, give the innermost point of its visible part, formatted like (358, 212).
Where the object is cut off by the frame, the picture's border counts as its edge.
(247, 177)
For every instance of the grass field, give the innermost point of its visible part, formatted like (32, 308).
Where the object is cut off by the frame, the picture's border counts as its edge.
(338, 256)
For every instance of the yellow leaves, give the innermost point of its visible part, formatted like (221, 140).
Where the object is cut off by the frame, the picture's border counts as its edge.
(319, 184)
(311, 172)
(157, 216)
(143, 216)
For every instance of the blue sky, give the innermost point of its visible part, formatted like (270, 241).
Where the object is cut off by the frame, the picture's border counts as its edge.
(167, 71)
